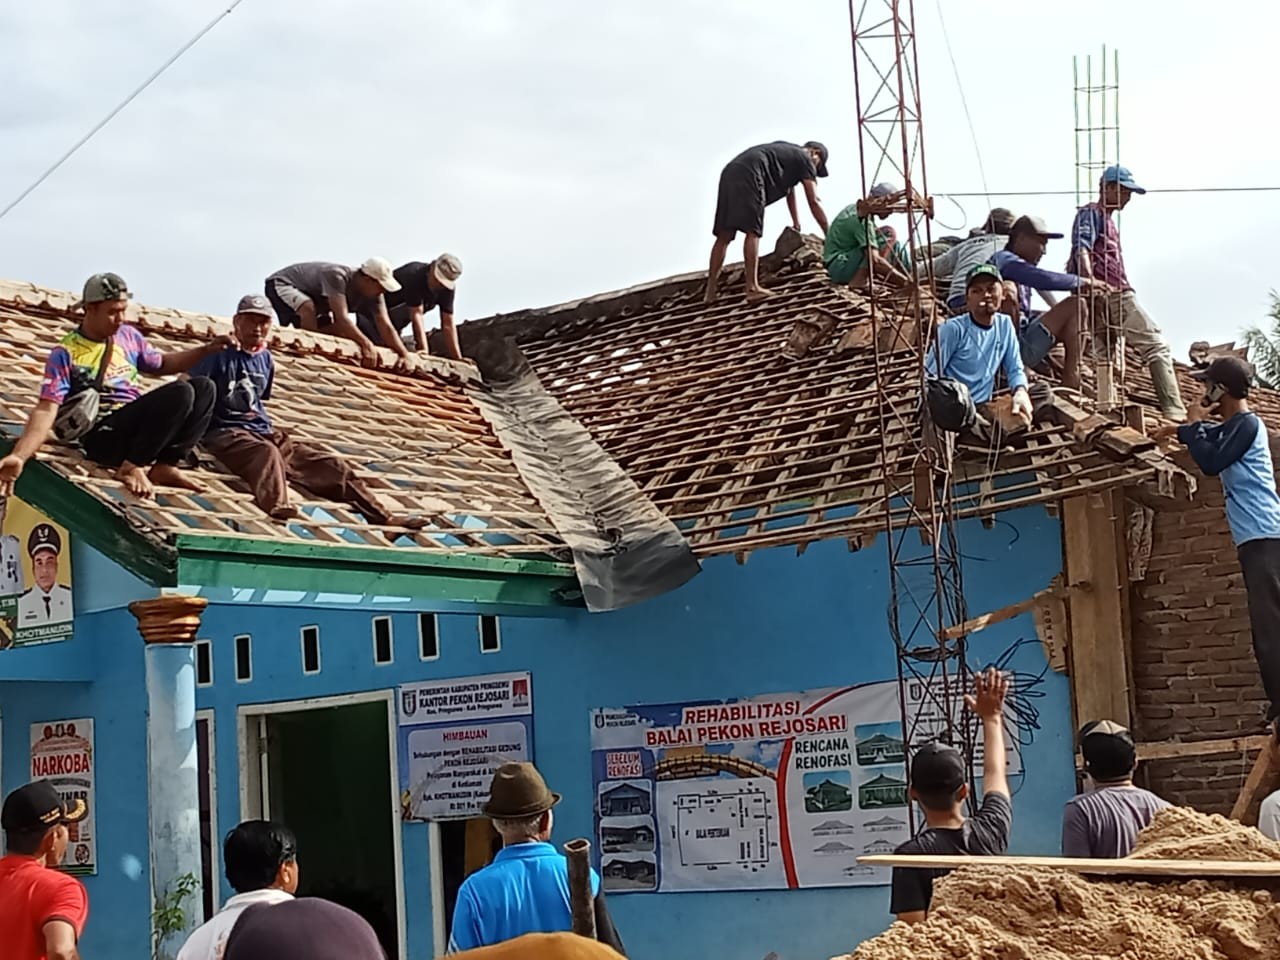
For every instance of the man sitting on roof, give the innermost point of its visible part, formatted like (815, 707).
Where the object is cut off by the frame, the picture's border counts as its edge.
(90, 393)
(1039, 331)
(423, 286)
(955, 263)
(854, 247)
(973, 347)
(323, 296)
(751, 181)
(268, 460)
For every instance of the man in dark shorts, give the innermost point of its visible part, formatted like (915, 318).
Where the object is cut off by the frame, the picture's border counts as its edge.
(750, 182)
(1104, 822)
(938, 785)
(423, 286)
(326, 297)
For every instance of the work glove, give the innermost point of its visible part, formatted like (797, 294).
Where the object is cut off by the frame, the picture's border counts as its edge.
(1022, 404)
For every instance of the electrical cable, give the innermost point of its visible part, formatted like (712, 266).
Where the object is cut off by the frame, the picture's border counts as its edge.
(118, 108)
(1072, 193)
(964, 102)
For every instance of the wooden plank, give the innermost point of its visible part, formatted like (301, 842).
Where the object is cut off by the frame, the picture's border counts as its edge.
(1096, 649)
(1178, 749)
(975, 624)
(1126, 866)
(1253, 786)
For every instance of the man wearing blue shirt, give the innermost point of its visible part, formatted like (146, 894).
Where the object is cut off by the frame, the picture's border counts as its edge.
(974, 346)
(1062, 322)
(1237, 450)
(526, 888)
(241, 434)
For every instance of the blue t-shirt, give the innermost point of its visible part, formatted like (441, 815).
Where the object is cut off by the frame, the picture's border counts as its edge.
(1029, 277)
(971, 353)
(243, 380)
(524, 890)
(1237, 450)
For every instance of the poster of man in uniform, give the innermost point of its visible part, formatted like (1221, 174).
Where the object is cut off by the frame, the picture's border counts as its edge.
(779, 791)
(453, 735)
(62, 753)
(35, 577)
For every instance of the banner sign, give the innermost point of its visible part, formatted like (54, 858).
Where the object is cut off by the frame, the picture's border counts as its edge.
(62, 753)
(773, 792)
(453, 735)
(35, 577)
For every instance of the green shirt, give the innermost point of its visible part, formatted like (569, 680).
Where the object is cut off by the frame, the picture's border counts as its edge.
(848, 233)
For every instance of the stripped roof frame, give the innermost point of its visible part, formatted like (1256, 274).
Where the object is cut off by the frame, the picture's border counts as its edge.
(414, 434)
(745, 447)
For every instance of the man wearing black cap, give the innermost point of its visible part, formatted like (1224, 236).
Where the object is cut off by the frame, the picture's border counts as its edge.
(1062, 323)
(306, 929)
(42, 910)
(938, 774)
(1104, 821)
(750, 182)
(1237, 450)
(526, 888)
(47, 601)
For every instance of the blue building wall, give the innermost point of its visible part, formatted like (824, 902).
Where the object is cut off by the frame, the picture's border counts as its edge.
(778, 623)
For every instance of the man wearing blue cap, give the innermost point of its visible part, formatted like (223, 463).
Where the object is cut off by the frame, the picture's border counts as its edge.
(1096, 253)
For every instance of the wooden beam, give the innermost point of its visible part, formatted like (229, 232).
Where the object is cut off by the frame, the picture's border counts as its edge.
(974, 624)
(1259, 779)
(1180, 749)
(1097, 650)
(1125, 866)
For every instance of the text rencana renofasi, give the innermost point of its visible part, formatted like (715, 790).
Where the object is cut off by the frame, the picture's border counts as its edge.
(729, 723)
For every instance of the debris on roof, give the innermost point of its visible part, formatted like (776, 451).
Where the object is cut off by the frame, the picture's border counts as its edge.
(754, 425)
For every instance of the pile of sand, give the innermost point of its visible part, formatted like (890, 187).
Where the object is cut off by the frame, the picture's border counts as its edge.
(1002, 913)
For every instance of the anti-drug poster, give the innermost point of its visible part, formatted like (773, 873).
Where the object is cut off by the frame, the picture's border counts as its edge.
(35, 577)
(453, 735)
(62, 753)
(772, 792)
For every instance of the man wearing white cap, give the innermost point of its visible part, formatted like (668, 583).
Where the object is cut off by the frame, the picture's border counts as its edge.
(423, 286)
(324, 297)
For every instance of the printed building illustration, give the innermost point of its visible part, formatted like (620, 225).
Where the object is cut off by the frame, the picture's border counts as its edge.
(827, 795)
(880, 748)
(624, 800)
(883, 791)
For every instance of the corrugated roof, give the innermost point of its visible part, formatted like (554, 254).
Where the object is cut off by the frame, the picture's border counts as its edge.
(744, 446)
(416, 436)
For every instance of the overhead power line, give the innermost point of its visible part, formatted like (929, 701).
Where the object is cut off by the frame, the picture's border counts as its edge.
(120, 106)
(1072, 193)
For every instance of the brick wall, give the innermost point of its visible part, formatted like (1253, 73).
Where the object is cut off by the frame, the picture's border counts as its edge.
(1195, 676)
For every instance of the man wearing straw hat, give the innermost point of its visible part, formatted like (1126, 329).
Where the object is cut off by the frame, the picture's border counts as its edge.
(526, 888)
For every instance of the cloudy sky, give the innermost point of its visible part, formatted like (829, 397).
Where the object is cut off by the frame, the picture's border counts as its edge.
(567, 147)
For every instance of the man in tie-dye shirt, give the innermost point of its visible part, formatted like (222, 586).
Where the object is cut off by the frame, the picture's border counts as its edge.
(143, 436)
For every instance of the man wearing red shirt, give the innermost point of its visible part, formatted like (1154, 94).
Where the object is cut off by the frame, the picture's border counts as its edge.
(42, 910)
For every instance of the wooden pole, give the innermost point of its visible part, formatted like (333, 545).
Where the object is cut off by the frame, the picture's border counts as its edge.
(581, 901)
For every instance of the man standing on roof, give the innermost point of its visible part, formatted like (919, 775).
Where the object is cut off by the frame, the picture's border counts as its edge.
(47, 601)
(854, 247)
(973, 347)
(1039, 331)
(242, 437)
(938, 775)
(1237, 450)
(144, 436)
(1096, 254)
(526, 888)
(750, 182)
(325, 297)
(42, 910)
(423, 286)
(1104, 822)
(954, 264)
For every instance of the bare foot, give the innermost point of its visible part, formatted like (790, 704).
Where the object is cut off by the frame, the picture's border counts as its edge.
(286, 512)
(135, 480)
(712, 293)
(410, 521)
(167, 475)
(758, 294)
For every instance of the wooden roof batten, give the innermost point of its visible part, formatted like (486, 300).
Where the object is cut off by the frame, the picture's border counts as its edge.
(414, 435)
(744, 446)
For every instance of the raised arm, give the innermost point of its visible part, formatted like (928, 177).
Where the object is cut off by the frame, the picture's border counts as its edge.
(815, 207)
(987, 701)
(182, 361)
(1215, 446)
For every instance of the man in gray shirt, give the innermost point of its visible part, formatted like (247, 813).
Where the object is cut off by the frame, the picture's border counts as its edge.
(325, 297)
(954, 265)
(1103, 822)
